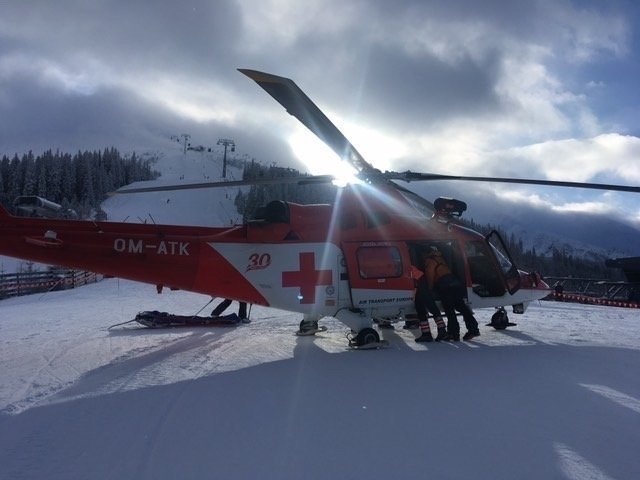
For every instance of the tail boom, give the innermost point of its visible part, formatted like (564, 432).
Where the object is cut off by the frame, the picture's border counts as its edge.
(177, 257)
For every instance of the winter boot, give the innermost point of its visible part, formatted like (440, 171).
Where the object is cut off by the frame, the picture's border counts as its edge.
(425, 337)
(426, 332)
(442, 334)
(471, 334)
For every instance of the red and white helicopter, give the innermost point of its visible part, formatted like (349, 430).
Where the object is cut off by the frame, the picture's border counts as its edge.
(351, 260)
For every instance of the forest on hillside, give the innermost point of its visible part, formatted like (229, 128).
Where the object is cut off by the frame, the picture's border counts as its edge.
(259, 195)
(78, 182)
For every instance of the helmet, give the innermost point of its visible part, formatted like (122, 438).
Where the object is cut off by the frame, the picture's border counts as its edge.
(432, 251)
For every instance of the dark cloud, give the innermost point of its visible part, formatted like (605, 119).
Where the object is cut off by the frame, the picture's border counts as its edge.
(427, 91)
(38, 117)
(515, 15)
(45, 117)
(195, 35)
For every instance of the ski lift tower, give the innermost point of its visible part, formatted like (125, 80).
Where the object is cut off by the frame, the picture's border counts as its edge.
(227, 143)
(185, 140)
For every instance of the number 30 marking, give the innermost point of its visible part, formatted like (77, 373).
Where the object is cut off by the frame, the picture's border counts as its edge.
(258, 261)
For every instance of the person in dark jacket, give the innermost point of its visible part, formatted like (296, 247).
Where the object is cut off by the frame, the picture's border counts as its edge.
(452, 293)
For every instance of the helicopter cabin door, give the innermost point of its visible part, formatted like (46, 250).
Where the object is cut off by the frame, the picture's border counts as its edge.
(491, 268)
(379, 277)
(507, 265)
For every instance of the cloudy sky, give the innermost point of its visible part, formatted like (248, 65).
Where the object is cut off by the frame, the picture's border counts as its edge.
(532, 88)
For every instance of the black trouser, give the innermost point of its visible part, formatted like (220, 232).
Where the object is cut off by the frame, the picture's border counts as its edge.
(452, 293)
(223, 305)
(424, 301)
(242, 310)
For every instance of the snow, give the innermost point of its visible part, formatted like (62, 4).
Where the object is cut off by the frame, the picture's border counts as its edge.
(557, 396)
(205, 206)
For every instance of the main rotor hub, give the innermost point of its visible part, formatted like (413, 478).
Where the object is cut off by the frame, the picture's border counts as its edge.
(449, 207)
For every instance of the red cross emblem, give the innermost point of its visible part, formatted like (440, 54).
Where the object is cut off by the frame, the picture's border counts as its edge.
(307, 278)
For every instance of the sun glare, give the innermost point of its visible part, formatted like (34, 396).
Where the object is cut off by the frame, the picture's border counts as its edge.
(320, 159)
(377, 149)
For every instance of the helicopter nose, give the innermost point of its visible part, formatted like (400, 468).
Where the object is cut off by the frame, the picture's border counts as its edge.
(533, 280)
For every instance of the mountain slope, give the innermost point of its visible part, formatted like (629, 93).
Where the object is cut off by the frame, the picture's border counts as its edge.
(205, 206)
(583, 234)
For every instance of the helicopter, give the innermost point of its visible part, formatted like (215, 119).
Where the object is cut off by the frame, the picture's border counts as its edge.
(351, 260)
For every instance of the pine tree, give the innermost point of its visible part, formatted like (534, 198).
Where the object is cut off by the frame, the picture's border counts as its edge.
(68, 180)
(41, 173)
(53, 167)
(29, 182)
(3, 190)
(14, 181)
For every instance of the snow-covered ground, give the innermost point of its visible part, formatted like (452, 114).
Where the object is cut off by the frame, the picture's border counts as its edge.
(557, 396)
(204, 206)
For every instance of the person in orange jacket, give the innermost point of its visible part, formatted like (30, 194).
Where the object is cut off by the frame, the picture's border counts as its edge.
(424, 302)
(452, 295)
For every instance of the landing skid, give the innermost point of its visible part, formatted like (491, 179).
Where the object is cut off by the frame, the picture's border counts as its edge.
(500, 320)
(370, 346)
(309, 327)
(366, 339)
(311, 331)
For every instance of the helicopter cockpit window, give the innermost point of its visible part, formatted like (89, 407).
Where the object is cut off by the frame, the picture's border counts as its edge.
(505, 263)
(379, 262)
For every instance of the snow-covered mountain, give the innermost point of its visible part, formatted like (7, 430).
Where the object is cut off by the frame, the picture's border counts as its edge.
(206, 206)
(582, 235)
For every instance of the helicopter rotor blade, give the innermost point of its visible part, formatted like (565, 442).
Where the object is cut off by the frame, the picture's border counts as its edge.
(422, 177)
(297, 103)
(298, 180)
(373, 177)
